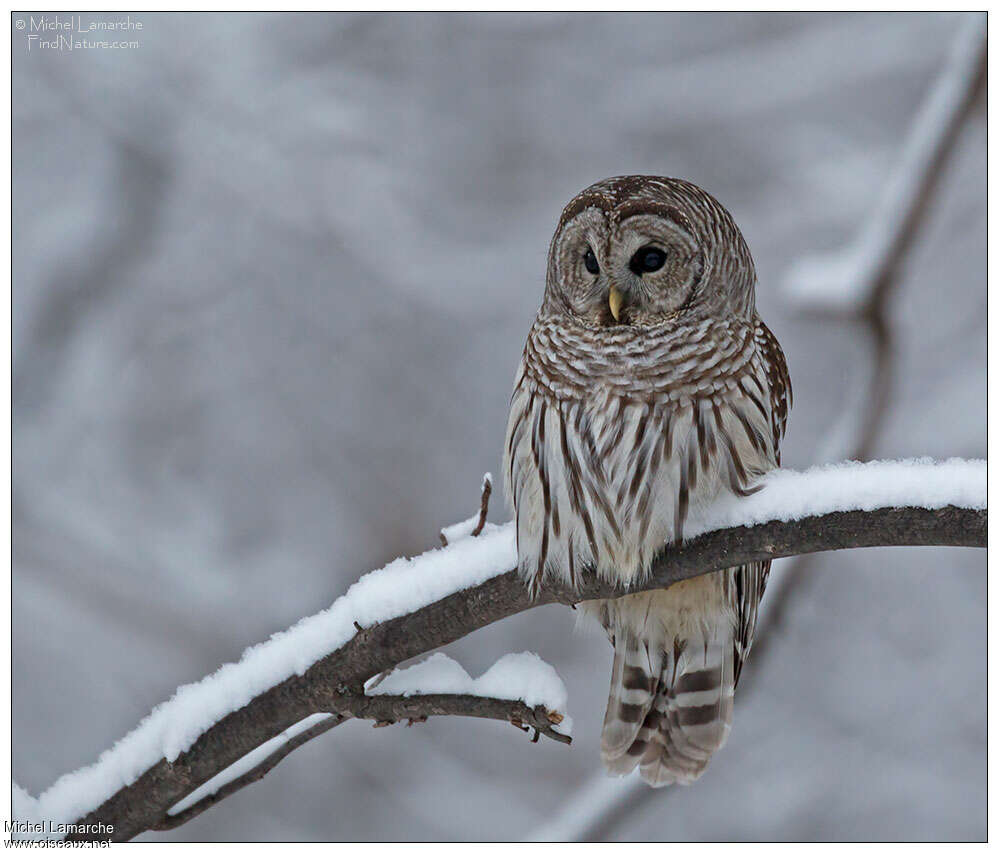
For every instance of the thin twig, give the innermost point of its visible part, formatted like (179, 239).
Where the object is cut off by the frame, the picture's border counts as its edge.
(387, 709)
(487, 490)
(169, 822)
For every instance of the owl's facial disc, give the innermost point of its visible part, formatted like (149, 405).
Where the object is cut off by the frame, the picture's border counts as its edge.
(637, 272)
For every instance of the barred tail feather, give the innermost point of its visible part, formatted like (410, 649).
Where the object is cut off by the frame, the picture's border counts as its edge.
(669, 709)
(634, 679)
(694, 715)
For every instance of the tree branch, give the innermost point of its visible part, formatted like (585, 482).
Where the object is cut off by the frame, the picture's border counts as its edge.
(386, 709)
(335, 683)
(392, 708)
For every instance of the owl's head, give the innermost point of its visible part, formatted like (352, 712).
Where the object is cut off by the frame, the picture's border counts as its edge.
(641, 251)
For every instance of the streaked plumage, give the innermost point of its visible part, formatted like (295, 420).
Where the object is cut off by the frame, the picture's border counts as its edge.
(644, 391)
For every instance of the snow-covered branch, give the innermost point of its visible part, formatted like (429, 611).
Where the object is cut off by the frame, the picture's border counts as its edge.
(327, 664)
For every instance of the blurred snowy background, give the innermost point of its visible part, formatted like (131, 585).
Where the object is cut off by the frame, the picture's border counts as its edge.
(272, 277)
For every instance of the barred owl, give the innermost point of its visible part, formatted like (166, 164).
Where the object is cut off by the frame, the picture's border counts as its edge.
(648, 387)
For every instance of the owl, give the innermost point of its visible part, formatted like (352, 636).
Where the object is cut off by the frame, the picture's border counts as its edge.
(649, 388)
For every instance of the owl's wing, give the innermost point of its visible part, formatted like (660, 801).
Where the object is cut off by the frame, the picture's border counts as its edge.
(751, 580)
(778, 381)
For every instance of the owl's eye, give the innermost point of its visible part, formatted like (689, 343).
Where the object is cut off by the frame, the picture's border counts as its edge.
(590, 260)
(648, 259)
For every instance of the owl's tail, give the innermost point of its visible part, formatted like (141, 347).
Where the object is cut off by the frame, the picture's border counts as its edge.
(670, 705)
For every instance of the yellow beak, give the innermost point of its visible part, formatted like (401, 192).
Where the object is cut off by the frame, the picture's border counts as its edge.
(616, 300)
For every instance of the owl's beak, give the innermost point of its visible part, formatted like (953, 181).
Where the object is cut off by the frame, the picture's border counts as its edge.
(615, 299)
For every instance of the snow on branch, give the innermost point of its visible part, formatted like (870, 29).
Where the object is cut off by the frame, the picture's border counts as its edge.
(320, 666)
(517, 676)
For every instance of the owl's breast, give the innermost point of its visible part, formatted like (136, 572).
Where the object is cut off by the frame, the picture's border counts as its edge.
(605, 479)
